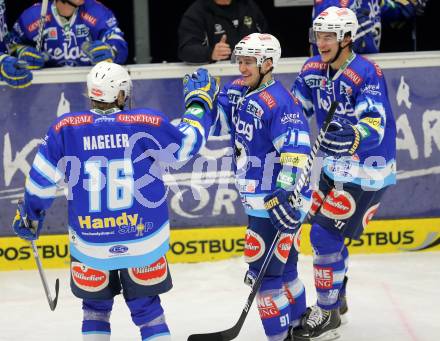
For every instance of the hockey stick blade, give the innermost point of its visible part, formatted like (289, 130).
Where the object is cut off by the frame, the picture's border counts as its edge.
(231, 333)
(52, 302)
(218, 336)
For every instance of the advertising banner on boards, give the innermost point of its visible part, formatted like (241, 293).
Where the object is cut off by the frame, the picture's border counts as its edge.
(203, 191)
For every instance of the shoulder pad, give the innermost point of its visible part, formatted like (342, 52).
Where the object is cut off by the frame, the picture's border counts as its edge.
(267, 98)
(368, 67)
(31, 17)
(141, 116)
(93, 11)
(314, 63)
(73, 120)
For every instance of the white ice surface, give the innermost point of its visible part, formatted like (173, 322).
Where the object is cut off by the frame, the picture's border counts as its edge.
(391, 298)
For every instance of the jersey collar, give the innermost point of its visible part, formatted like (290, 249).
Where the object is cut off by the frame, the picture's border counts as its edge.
(105, 112)
(342, 68)
(262, 87)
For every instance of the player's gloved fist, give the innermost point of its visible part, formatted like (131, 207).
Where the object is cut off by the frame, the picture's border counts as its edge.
(35, 60)
(200, 87)
(283, 215)
(14, 72)
(363, 16)
(25, 228)
(341, 139)
(98, 51)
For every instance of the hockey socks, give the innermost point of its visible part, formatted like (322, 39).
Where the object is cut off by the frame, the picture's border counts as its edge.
(147, 314)
(328, 265)
(296, 295)
(96, 317)
(274, 308)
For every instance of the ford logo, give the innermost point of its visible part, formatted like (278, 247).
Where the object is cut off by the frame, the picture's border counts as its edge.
(118, 249)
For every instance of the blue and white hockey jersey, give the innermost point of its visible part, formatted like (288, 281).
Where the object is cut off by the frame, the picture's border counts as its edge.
(112, 165)
(270, 139)
(370, 14)
(361, 91)
(63, 37)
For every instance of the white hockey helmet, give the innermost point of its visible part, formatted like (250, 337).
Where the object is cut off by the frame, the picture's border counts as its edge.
(261, 46)
(105, 80)
(337, 20)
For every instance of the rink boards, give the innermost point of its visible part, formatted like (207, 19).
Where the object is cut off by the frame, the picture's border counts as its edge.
(217, 243)
(204, 189)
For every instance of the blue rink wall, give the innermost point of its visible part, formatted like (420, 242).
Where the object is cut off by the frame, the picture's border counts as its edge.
(203, 192)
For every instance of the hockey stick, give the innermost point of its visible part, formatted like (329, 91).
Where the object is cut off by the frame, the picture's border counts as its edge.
(44, 5)
(52, 302)
(232, 333)
(414, 33)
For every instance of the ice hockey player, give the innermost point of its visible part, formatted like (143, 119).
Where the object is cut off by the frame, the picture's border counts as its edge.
(76, 32)
(270, 140)
(371, 15)
(118, 215)
(360, 149)
(12, 71)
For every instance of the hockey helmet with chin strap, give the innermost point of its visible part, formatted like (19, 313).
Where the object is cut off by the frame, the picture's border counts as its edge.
(106, 80)
(259, 45)
(337, 20)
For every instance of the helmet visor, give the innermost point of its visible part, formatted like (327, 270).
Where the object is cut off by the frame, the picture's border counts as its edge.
(243, 59)
(312, 36)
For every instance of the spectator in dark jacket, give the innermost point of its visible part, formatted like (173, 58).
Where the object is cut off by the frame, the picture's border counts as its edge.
(210, 29)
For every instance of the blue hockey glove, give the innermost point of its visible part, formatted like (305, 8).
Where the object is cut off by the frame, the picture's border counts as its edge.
(200, 87)
(98, 51)
(25, 228)
(14, 72)
(363, 17)
(283, 215)
(340, 139)
(35, 60)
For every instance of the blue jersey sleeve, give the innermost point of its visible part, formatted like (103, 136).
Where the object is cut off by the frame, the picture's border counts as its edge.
(289, 129)
(226, 104)
(169, 143)
(291, 138)
(45, 175)
(195, 128)
(290, 135)
(3, 27)
(301, 90)
(25, 29)
(106, 29)
(371, 110)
